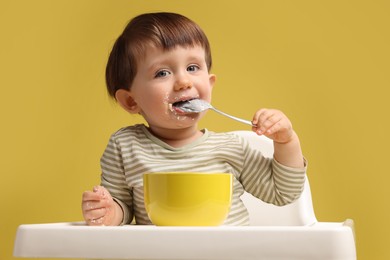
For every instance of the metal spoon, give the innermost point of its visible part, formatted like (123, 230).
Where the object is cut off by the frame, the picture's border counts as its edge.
(199, 105)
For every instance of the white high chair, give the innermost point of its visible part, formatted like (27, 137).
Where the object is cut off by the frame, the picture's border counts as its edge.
(289, 232)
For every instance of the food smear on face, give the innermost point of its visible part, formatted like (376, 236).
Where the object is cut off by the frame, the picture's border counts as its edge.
(179, 107)
(189, 106)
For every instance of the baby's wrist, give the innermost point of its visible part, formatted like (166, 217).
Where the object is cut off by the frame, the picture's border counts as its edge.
(292, 138)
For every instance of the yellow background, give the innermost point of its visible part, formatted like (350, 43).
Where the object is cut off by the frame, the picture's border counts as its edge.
(324, 63)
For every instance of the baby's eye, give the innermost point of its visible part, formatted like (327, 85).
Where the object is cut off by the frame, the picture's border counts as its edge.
(162, 73)
(192, 68)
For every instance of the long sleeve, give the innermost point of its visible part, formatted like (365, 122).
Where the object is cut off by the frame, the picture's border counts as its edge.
(113, 178)
(270, 181)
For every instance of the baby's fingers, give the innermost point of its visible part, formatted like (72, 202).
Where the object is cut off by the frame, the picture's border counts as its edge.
(92, 204)
(258, 115)
(94, 212)
(265, 120)
(271, 129)
(95, 217)
(91, 196)
(95, 205)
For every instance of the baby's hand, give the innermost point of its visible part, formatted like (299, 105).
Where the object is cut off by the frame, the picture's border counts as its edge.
(98, 207)
(273, 124)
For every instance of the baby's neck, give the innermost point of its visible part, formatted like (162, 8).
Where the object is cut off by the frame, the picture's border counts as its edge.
(177, 137)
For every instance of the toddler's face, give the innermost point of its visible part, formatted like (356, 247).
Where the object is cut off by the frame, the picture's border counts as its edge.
(166, 77)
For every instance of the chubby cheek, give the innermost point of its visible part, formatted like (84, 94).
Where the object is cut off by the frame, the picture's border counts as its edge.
(206, 92)
(149, 106)
(155, 109)
(206, 96)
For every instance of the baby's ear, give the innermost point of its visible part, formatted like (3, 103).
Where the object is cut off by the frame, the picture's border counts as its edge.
(212, 79)
(126, 101)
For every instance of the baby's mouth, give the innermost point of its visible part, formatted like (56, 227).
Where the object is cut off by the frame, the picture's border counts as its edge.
(176, 106)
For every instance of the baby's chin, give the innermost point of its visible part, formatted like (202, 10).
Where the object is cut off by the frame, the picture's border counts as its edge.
(185, 117)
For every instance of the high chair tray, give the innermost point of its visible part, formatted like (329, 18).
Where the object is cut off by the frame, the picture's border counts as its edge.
(76, 240)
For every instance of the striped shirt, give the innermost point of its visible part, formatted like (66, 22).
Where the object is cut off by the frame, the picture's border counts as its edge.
(133, 151)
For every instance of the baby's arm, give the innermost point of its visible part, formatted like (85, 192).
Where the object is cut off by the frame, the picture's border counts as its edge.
(99, 208)
(275, 125)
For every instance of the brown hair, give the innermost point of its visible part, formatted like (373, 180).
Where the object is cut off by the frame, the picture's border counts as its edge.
(165, 30)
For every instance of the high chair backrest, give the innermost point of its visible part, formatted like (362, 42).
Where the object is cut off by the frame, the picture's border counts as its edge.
(298, 213)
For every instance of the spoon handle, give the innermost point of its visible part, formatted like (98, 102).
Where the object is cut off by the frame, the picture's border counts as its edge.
(233, 117)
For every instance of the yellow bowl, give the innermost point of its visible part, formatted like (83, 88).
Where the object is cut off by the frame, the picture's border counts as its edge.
(187, 199)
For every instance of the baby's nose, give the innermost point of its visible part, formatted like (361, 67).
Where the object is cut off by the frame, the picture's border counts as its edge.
(183, 84)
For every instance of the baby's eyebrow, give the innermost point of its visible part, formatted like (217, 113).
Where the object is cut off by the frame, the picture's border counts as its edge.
(200, 59)
(158, 63)
(156, 67)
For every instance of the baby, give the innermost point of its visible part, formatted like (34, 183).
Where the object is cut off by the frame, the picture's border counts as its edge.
(161, 59)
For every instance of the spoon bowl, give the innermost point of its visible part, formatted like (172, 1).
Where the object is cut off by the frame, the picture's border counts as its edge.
(199, 105)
